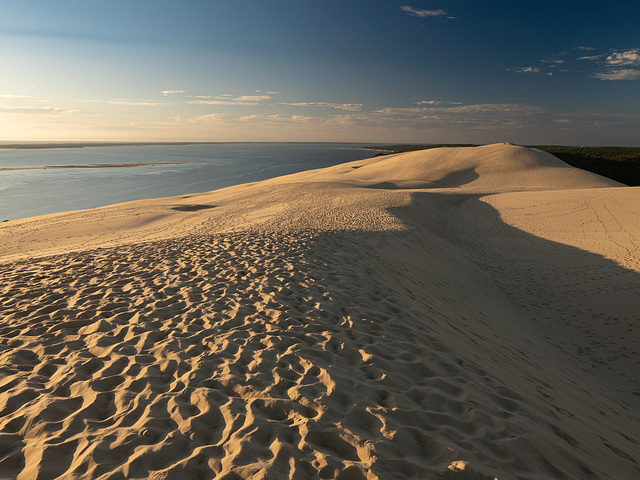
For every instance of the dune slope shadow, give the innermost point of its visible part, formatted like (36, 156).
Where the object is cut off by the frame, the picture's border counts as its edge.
(587, 304)
(459, 178)
(580, 305)
(450, 180)
(191, 208)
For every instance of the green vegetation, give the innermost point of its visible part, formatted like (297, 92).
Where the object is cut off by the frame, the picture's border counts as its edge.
(617, 163)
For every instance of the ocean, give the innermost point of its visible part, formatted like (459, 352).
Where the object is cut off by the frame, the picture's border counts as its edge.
(26, 193)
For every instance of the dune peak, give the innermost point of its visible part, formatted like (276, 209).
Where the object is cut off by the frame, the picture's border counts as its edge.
(488, 168)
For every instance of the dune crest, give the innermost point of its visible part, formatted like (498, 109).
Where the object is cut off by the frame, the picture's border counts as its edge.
(490, 168)
(464, 313)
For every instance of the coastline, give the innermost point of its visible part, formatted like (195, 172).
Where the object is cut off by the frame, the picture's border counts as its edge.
(102, 165)
(415, 315)
(45, 145)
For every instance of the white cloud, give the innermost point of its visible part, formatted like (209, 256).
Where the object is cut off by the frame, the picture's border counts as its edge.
(475, 108)
(210, 118)
(585, 48)
(349, 107)
(49, 110)
(10, 96)
(152, 123)
(166, 93)
(524, 69)
(437, 102)
(227, 99)
(621, 74)
(277, 119)
(477, 116)
(138, 103)
(626, 57)
(417, 12)
(611, 62)
(252, 98)
(591, 57)
(221, 102)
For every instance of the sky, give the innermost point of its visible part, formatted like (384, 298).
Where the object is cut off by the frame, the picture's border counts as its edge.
(376, 71)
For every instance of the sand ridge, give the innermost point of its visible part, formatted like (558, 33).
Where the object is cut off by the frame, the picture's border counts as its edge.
(329, 325)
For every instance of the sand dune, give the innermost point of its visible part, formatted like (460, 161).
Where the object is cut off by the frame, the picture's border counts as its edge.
(460, 314)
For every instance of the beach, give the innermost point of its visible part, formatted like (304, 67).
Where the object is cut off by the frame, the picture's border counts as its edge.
(455, 313)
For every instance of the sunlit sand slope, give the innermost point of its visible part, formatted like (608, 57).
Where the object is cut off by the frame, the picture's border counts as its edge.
(425, 315)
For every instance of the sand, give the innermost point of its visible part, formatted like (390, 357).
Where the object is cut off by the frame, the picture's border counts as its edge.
(458, 313)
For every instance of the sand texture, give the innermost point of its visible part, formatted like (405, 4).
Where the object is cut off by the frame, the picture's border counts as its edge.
(456, 313)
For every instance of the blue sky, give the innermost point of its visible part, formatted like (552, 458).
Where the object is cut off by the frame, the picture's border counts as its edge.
(296, 70)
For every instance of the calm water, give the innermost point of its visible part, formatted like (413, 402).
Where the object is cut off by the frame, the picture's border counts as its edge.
(25, 193)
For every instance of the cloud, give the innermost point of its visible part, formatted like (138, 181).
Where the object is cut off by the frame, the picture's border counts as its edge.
(475, 123)
(610, 64)
(476, 116)
(584, 48)
(263, 119)
(153, 123)
(417, 12)
(209, 119)
(221, 102)
(349, 107)
(226, 99)
(496, 118)
(621, 74)
(437, 102)
(212, 118)
(591, 57)
(252, 98)
(138, 103)
(219, 119)
(625, 57)
(524, 70)
(166, 93)
(462, 109)
(49, 110)
(11, 96)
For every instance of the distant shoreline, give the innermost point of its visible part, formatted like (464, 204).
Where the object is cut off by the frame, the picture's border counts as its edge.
(95, 165)
(44, 145)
